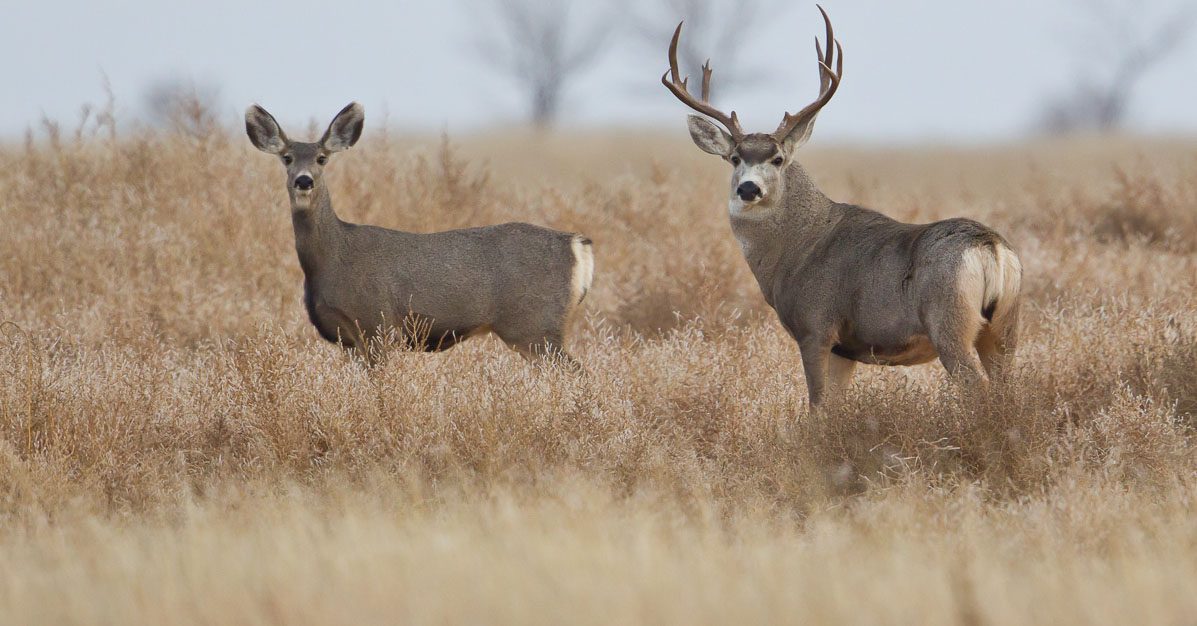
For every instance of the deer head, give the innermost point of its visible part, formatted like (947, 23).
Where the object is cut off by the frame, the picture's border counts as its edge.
(304, 161)
(759, 159)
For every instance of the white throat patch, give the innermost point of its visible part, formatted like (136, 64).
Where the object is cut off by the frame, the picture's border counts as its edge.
(746, 210)
(302, 200)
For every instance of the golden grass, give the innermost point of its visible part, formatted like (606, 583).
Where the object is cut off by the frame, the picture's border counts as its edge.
(177, 445)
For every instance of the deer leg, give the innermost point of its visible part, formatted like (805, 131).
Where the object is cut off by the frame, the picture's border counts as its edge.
(996, 346)
(815, 363)
(994, 357)
(963, 364)
(954, 335)
(839, 372)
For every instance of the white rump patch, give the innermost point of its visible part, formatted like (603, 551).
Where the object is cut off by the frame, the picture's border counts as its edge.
(990, 277)
(583, 270)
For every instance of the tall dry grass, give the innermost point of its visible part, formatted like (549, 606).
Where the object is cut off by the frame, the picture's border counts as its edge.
(177, 446)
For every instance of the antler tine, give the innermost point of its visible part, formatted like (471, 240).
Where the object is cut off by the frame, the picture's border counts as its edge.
(830, 33)
(672, 79)
(706, 81)
(829, 81)
(823, 79)
(673, 69)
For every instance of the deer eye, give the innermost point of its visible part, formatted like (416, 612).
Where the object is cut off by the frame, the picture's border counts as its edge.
(778, 161)
(322, 159)
(735, 160)
(288, 159)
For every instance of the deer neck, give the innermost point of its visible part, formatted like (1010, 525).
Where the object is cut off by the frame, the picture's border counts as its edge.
(319, 233)
(790, 223)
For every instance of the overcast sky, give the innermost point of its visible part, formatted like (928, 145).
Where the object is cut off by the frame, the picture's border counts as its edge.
(920, 70)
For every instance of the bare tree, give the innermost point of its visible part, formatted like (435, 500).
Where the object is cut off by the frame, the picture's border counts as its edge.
(714, 28)
(183, 106)
(1118, 44)
(542, 45)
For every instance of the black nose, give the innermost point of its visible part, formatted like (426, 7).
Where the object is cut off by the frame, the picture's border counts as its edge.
(748, 191)
(304, 182)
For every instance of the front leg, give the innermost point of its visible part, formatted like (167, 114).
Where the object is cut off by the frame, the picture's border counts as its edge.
(816, 354)
(839, 372)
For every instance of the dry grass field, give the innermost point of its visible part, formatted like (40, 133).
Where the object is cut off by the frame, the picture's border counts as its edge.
(177, 446)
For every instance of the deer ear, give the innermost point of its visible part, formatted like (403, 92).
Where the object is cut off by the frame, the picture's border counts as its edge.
(709, 137)
(264, 132)
(799, 136)
(345, 129)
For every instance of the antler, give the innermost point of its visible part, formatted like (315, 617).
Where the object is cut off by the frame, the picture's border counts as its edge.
(674, 81)
(828, 82)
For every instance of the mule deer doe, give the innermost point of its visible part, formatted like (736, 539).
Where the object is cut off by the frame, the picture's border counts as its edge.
(850, 284)
(520, 281)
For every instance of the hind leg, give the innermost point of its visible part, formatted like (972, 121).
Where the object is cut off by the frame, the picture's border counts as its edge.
(992, 357)
(839, 372)
(839, 376)
(827, 376)
(954, 334)
(996, 345)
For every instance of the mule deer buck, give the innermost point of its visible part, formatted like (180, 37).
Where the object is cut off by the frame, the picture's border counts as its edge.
(850, 284)
(520, 281)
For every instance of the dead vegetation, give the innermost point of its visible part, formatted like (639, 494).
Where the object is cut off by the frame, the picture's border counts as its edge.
(177, 446)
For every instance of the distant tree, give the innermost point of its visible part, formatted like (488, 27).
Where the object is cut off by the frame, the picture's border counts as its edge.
(1118, 42)
(184, 106)
(543, 45)
(715, 29)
